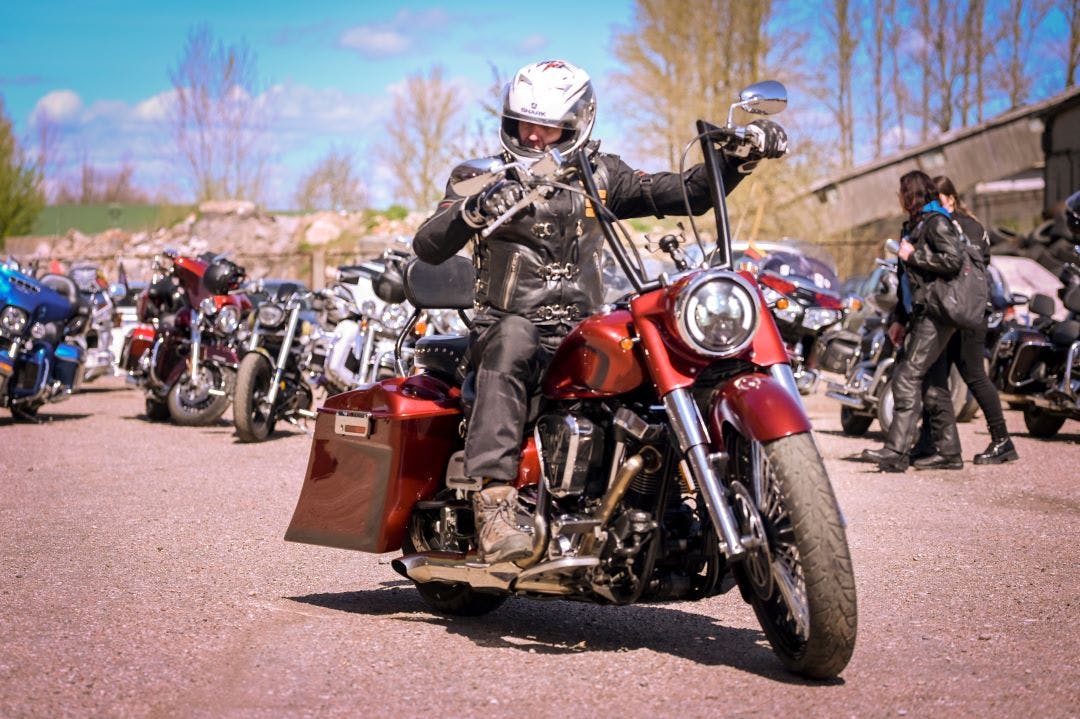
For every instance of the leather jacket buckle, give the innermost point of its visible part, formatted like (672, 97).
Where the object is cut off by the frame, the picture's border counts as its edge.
(547, 313)
(556, 271)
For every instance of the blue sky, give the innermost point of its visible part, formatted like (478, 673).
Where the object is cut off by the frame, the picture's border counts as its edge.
(96, 67)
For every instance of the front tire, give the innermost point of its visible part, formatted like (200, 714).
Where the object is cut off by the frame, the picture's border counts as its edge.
(191, 404)
(1041, 423)
(425, 534)
(802, 587)
(254, 422)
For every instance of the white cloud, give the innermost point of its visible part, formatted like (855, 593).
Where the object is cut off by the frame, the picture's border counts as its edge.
(156, 108)
(374, 42)
(62, 106)
(532, 43)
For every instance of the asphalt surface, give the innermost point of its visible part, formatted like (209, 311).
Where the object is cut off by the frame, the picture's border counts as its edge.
(143, 573)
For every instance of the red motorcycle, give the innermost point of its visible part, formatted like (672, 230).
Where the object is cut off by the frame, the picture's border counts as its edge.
(670, 457)
(185, 353)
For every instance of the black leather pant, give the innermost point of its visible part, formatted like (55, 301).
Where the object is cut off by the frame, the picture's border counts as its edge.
(509, 357)
(926, 342)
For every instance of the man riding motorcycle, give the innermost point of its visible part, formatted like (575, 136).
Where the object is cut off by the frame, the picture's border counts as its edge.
(540, 272)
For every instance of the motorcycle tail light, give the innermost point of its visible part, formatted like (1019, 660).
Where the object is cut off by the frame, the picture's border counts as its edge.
(716, 314)
(780, 285)
(827, 301)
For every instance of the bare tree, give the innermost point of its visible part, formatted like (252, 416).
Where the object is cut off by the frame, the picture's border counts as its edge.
(426, 138)
(1018, 20)
(216, 117)
(843, 34)
(95, 185)
(332, 184)
(1070, 10)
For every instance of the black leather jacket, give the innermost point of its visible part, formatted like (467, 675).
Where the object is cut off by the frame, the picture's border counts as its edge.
(938, 253)
(545, 263)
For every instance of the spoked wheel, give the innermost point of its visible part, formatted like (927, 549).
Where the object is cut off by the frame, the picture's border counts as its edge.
(798, 577)
(254, 418)
(202, 401)
(449, 530)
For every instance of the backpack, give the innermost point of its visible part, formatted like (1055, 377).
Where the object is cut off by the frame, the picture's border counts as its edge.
(960, 301)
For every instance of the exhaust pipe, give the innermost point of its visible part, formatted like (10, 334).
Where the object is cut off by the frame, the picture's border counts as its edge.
(454, 568)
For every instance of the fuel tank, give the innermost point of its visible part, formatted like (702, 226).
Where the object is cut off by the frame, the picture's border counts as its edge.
(376, 451)
(597, 359)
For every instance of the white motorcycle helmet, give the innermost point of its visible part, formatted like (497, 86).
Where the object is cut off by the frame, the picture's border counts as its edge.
(552, 93)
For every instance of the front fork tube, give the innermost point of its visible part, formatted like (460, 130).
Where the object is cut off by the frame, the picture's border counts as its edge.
(694, 442)
(783, 374)
(367, 374)
(196, 346)
(283, 356)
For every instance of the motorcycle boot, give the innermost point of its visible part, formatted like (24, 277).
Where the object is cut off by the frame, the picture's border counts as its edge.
(999, 452)
(499, 537)
(887, 460)
(939, 461)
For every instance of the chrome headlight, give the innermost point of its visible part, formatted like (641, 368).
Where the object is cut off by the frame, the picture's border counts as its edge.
(13, 320)
(394, 317)
(270, 315)
(716, 314)
(227, 320)
(369, 308)
(207, 307)
(817, 317)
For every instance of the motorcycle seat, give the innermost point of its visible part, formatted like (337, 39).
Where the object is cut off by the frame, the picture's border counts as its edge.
(441, 355)
(1063, 334)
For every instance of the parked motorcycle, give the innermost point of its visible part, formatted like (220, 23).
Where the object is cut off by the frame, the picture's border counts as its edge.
(670, 450)
(1037, 367)
(271, 379)
(805, 300)
(94, 290)
(43, 322)
(866, 358)
(185, 354)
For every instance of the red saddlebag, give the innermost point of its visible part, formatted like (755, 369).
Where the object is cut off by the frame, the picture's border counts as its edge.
(376, 451)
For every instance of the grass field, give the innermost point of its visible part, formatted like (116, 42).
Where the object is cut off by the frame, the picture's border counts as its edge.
(58, 219)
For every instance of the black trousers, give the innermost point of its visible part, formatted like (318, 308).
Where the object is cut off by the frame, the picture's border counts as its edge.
(509, 357)
(965, 350)
(923, 366)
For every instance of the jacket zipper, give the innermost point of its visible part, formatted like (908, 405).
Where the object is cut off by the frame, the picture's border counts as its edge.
(511, 281)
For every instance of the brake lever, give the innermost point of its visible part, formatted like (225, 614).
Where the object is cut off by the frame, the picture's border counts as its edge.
(527, 199)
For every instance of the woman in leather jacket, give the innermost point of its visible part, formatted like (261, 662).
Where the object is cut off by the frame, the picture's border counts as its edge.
(539, 273)
(930, 249)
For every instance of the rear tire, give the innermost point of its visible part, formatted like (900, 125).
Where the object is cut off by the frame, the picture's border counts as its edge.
(854, 425)
(191, 405)
(455, 599)
(812, 628)
(253, 423)
(1041, 423)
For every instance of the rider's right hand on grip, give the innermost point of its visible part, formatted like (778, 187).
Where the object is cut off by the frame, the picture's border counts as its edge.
(480, 209)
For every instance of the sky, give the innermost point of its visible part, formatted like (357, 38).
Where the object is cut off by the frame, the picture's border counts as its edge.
(99, 69)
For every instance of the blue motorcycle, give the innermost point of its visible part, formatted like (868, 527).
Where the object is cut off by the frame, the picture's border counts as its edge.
(42, 323)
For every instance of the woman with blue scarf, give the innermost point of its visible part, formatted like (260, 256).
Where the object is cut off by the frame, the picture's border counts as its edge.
(930, 249)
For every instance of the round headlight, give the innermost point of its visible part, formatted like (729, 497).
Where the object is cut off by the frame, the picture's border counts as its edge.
(13, 320)
(227, 320)
(394, 317)
(717, 314)
(270, 315)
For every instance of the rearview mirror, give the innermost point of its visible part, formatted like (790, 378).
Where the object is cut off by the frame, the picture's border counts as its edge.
(764, 98)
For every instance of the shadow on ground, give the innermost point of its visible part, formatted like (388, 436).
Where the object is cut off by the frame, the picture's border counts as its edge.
(559, 627)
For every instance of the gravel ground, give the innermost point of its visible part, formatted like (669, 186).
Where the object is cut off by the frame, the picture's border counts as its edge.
(143, 573)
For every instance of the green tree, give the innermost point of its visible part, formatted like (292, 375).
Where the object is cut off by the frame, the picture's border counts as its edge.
(21, 198)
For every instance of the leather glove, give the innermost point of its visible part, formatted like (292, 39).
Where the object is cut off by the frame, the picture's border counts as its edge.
(480, 209)
(768, 138)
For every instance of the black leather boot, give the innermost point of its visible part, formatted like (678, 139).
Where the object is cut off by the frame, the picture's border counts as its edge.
(999, 452)
(887, 460)
(939, 461)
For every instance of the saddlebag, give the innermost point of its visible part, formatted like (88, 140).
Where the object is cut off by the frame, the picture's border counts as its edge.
(837, 351)
(376, 451)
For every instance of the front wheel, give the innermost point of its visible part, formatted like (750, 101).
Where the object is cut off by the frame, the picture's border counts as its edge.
(254, 420)
(202, 401)
(800, 581)
(1041, 423)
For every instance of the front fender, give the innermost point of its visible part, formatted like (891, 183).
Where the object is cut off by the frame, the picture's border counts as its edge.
(758, 407)
(221, 354)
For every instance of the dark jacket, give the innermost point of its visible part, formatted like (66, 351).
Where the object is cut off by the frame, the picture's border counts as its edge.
(938, 253)
(545, 263)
